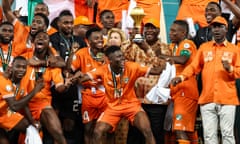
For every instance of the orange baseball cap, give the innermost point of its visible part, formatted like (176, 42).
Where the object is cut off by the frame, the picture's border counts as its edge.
(153, 21)
(83, 20)
(220, 20)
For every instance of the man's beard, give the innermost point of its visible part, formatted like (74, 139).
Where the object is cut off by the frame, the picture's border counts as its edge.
(5, 41)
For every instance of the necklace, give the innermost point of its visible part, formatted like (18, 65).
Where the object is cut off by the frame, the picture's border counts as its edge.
(39, 71)
(5, 61)
(118, 91)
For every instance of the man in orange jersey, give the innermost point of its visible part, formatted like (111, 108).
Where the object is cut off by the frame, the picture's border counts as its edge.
(118, 79)
(8, 48)
(43, 9)
(22, 35)
(185, 95)
(40, 105)
(107, 20)
(13, 93)
(115, 6)
(219, 62)
(94, 100)
(194, 9)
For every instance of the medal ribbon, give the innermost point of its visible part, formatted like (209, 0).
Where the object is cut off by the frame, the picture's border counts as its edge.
(6, 61)
(116, 90)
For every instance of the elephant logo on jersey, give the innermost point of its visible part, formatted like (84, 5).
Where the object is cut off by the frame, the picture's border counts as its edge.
(208, 56)
(9, 88)
(125, 80)
(178, 117)
(186, 45)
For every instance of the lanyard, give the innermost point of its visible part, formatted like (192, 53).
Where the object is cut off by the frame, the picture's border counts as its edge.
(39, 71)
(16, 90)
(6, 61)
(175, 49)
(98, 57)
(117, 91)
(67, 42)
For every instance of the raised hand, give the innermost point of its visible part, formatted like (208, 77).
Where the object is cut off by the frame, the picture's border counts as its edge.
(176, 81)
(39, 85)
(227, 66)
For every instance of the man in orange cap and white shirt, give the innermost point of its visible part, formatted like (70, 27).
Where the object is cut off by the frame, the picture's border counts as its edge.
(219, 62)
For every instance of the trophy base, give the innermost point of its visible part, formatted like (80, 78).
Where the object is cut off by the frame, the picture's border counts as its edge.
(138, 38)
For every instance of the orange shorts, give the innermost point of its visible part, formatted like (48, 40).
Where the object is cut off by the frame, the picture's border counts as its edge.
(196, 12)
(93, 105)
(112, 115)
(10, 121)
(37, 107)
(184, 113)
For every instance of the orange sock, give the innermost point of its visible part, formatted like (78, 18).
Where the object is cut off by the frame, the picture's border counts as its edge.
(181, 141)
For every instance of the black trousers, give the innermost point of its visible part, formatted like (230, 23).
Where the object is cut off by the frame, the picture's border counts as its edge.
(156, 115)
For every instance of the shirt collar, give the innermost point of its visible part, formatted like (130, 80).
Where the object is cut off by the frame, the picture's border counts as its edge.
(223, 43)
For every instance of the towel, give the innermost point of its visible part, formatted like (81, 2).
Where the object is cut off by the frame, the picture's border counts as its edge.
(32, 136)
(160, 93)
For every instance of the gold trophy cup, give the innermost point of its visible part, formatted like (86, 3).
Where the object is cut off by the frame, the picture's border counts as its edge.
(137, 15)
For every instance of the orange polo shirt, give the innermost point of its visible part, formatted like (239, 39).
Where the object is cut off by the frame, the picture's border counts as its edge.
(218, 84)
(187, 88)
(125, 82)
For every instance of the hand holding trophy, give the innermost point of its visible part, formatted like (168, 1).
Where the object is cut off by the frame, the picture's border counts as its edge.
(137, 15)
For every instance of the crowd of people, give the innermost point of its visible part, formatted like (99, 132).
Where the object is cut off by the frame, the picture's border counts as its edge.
(79, 81)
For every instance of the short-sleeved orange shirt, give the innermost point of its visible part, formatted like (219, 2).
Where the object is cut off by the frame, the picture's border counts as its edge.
(191, 83)
(49, 75)
(83, 61)
(15, 52)
(21, 33)
(8, 89)
(218, 84)
(130, 74)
